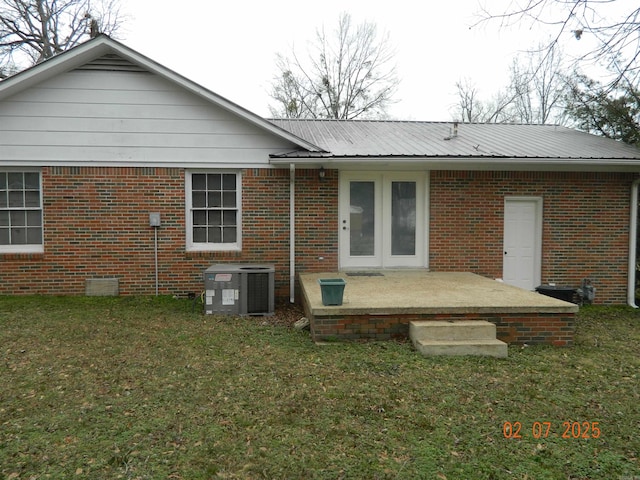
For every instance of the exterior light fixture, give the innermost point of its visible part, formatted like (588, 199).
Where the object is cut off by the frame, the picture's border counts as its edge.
(321, 174)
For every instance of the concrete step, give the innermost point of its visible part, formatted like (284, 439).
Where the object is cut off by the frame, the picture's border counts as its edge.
(487, 348)
(453, 330)
(463, 337)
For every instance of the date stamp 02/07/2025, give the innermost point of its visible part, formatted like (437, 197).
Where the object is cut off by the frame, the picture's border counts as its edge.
(565, 430)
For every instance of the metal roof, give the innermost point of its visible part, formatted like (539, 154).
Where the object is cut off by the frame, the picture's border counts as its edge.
(361, 138)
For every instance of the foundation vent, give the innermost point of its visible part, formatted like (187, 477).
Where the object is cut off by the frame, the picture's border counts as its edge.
(101, 287)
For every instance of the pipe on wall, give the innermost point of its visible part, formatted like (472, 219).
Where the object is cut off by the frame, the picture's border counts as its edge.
(292, 233)
(633, 231)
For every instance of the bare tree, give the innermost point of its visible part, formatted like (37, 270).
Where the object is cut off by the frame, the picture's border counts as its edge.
(614, 25)
(472, 109)
(538, 85)
(347, 75)
(34, 30)
(534, 93)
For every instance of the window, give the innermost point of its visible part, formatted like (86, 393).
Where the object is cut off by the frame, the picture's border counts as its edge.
(20, 212)
(213, 211)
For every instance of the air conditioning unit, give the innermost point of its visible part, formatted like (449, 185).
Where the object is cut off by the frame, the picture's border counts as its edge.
(244, 289)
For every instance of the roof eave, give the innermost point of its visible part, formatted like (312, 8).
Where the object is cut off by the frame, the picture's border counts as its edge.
(464, 163)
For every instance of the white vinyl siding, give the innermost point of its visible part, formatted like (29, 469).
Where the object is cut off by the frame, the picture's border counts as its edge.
(20, 212)
(127, 118)
(213, 213)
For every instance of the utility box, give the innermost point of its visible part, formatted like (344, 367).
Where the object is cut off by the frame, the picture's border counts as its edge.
(244, 289)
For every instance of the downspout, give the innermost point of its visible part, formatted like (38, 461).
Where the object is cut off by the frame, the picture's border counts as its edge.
(292, 233)
(633, 231)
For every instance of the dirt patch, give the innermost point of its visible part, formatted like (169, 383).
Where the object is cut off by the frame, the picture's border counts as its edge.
(286, 314)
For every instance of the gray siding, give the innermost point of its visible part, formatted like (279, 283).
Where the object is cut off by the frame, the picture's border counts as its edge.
(116, 117)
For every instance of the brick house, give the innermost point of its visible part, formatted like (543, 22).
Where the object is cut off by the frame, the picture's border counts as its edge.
(94, 140)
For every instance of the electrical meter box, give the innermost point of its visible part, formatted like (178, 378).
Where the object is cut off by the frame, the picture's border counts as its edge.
(232, 289)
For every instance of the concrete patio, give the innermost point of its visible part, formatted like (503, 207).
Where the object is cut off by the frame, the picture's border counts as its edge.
(380, 305)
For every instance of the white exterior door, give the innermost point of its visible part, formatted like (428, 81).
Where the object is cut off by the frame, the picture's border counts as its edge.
(382, 220)
(522, 242)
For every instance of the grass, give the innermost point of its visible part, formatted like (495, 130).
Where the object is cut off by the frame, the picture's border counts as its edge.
(145, 388)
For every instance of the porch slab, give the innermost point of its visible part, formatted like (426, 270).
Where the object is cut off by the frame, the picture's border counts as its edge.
(381, 306)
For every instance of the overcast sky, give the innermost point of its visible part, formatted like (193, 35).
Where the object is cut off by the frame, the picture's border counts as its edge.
(229, 47)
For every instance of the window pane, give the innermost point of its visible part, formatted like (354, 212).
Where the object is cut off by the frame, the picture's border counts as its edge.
(199, 199)
(229, 199)
(4, 202)
(34, 236)
(4, 236)
(200, 234)
(16, 181)
(229, 235)
(19, 236)
(16, 199)
(228, 217)
(199, 181)
(215, 217)
(215, 234)
(34, 219)
(213, 200)
(18, 219)
(214, 181)
(199, 217)
(32, 181)
(229, 181)
(31, 198)
(4, 218)
(3, 181)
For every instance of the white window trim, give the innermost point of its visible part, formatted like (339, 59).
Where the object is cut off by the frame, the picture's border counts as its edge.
(20, 249)
(192, 246)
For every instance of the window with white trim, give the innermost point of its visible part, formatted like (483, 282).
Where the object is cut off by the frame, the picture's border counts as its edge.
(20, 212)
(213, 210)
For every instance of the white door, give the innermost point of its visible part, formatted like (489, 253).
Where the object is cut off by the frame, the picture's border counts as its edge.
(382, 220)
(522, 242)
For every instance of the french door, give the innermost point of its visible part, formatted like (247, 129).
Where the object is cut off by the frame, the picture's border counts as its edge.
(382, 220)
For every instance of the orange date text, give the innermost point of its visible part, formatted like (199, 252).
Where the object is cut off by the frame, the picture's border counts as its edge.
(569, 430)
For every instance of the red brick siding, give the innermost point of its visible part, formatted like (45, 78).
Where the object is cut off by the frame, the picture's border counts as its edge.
(316, 221)
(531, 328)
(585, 225)
(96, 223)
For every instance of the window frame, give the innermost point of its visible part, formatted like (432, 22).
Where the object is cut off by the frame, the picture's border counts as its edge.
(191, 245)
(26, 248)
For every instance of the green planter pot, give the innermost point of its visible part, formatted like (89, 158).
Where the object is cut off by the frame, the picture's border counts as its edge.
(332, 290)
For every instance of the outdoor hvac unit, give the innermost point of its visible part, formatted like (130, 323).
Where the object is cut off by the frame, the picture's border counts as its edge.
(239, 289)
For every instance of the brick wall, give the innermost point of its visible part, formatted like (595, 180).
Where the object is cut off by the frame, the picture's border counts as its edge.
(514, 328)
(585, 225)
(96, 224)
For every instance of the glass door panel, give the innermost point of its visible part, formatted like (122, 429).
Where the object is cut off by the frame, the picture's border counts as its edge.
(362, 211)
(403, 218)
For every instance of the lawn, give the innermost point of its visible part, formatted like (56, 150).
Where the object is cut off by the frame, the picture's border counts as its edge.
(146, 388)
